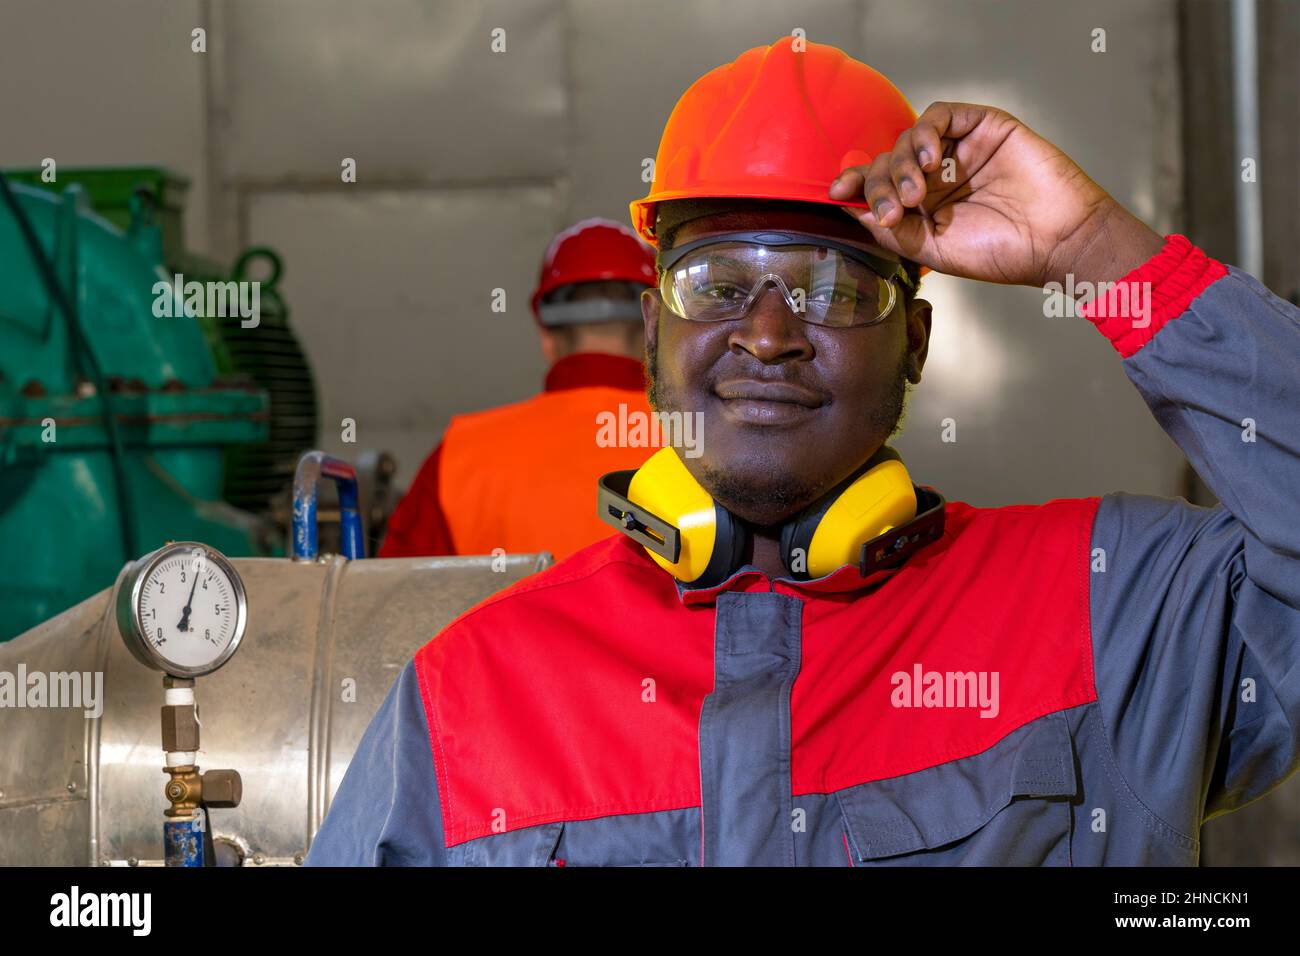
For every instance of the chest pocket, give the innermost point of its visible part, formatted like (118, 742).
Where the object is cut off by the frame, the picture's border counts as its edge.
(530, 846)
(663, 838)
(1007, 806)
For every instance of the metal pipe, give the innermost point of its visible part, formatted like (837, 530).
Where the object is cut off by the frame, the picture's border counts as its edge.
(312, 466)
(1245, 111)
(289, 727)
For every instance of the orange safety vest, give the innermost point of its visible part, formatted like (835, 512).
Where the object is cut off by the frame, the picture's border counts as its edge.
(523, 477)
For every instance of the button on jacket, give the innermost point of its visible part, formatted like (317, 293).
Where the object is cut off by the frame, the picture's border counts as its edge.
(1082, 682)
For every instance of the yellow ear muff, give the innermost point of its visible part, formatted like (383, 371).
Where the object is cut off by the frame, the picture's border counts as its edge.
(831, 533)
(880, 500)
(663, 486)
(670, 514)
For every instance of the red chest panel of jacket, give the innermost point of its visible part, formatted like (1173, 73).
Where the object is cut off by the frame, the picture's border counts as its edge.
(576, 693)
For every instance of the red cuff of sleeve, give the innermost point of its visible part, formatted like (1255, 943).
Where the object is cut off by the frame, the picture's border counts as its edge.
(1136, 307)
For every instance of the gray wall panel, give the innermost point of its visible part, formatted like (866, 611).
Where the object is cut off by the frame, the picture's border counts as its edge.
(1047, 409)
(107, 83)
(409, 89)
(391, 292)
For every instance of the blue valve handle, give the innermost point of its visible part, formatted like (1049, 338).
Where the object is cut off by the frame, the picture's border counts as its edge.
(311, 467)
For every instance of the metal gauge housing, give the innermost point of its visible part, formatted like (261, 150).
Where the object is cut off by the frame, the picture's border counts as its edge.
(182, 609)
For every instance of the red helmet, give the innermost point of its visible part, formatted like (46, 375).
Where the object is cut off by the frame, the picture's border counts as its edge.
(779, 122)
(591, 251)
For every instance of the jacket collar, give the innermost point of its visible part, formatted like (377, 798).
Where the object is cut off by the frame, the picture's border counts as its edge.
(585, 369)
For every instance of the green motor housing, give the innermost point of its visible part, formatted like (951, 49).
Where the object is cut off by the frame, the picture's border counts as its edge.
(114, 424)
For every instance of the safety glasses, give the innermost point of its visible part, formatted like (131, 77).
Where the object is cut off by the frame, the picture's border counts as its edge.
(823, 282)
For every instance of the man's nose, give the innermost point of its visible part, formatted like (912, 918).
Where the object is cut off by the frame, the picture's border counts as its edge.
(772, 331)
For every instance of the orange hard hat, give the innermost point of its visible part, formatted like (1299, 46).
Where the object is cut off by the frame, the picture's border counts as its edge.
(591, 251)
(780, 122)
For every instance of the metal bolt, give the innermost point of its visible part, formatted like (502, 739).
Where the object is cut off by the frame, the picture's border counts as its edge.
(259, 859)
(132, 861)
(72, 788)
(297, 859)
(104, 861)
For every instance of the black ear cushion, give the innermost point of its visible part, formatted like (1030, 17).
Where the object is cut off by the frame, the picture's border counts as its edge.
(799, 532)
(728, 548)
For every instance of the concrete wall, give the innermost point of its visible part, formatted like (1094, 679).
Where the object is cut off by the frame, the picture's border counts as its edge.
(106, 83)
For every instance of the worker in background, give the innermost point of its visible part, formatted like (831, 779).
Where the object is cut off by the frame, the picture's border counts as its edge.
(796, 655)
(519, 478)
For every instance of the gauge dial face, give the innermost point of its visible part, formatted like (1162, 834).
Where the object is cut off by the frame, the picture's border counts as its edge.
(189, 610)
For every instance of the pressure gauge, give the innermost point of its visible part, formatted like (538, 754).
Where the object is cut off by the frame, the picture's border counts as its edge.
(182, 609)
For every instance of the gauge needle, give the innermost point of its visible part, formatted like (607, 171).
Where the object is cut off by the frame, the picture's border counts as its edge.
(185, 615)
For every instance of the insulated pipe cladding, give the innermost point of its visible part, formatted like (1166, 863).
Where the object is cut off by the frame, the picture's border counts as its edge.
(325, 641)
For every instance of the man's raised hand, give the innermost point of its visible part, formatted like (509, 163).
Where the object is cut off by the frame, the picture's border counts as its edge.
(973, 192)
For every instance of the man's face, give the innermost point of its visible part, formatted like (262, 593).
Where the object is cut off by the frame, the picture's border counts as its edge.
(789, 408)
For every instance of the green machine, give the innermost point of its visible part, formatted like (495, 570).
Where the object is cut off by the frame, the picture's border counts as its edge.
(126, 418)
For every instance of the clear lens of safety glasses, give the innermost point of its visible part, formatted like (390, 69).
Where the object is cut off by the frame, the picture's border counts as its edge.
(823, 282)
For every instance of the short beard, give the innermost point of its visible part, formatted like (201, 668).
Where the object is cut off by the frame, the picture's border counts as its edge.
(771, 497)
(652, 368)
(764, 502)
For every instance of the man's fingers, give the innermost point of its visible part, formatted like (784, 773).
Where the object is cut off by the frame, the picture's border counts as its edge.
(950, 120)
(881, 193)
(856, 184)
(905, 171)
(917, 152)
(847, 187)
